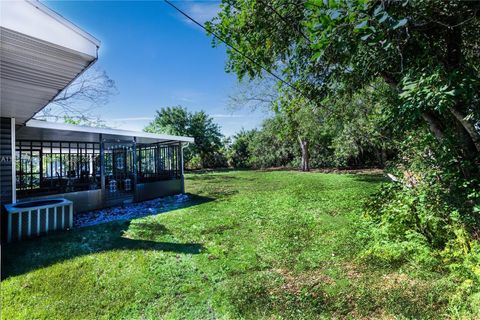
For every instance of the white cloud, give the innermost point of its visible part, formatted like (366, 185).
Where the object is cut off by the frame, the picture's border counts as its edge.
(200, 11)
(185, 99)
(204, 11)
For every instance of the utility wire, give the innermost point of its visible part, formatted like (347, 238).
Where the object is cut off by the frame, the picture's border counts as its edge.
(237, 50)
(298, 30)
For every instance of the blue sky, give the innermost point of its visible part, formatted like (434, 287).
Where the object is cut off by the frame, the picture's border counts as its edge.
(158, 58)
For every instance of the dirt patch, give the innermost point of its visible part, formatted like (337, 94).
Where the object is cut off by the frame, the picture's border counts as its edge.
(294, 283)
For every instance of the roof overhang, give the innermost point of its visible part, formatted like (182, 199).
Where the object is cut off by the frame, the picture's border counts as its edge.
(53, 131)
(40, 54)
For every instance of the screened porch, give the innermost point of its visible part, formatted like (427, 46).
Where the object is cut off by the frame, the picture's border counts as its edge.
(96, 167)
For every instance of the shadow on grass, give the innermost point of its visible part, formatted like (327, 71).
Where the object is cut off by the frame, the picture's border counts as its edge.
(22, 257)
(216, 170)
(217, 178)
(202, 177)
(373, 178)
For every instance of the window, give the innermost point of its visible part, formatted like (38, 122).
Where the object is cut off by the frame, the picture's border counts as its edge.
(158, 162)
(52, 167)
(49, 167)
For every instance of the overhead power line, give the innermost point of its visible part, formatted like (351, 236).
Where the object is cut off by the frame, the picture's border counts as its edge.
(236, 49)
(298, 30)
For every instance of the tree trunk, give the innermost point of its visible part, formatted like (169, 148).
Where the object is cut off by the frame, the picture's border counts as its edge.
(434, 124)
(468, 137)
(384, 156)
(469, 128)
(305, 166)
(463, 143)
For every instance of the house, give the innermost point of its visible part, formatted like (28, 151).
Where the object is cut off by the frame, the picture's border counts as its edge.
(89, 168)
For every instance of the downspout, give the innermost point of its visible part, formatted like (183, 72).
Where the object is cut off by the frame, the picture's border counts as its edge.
(13, 160)
(182, 146)
(102, 169)
(135, 170)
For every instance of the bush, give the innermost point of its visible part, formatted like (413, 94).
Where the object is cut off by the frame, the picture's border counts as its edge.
(428, 218)
(422, 226)
(239, 155)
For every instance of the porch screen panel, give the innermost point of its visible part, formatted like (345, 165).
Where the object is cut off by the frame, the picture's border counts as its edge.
(52, 167)
(157, 162)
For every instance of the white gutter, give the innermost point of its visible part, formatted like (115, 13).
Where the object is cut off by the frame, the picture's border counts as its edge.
(65, 22)
(105, 131)
(36, 20)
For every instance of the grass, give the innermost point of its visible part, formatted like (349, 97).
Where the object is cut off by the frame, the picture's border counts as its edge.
(249, 245)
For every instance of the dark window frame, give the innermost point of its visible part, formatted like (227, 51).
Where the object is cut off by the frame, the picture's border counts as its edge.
(158, 162)
(56, 167)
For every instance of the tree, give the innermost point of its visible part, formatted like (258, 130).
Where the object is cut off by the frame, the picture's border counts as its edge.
(208, 138)
(269, 147)
(75, 104)
(361, 131)
(423, 56)
(240, 149)
(425, 50)
(303, 123)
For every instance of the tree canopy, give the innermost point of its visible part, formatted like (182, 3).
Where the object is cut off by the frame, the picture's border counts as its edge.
(178, 121)
(425, 50)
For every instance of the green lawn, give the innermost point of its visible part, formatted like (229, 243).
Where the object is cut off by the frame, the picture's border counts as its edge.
(251, 245)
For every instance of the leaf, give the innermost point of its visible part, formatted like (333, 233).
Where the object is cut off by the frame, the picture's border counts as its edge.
(335, 14)
(332, 4)
(377, 10)
(410, 86)
(361, 25)
(316, 55)
(383, 18)
(400, 23)
(365, 37)
(325, 20)
(404, 94)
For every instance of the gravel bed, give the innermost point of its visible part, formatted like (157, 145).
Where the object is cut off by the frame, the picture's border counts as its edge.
(130, 211)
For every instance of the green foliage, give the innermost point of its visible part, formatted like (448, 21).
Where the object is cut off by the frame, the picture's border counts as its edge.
(205, 152)
(361, 129)
(79, 121)
(270, 148)
(71, 120)
(435, 73)
(418, 228)
(353, 132)
(326, 48)
(428, 218)
(410, 223)
(425, 92)
(437, 90)
(239, 151)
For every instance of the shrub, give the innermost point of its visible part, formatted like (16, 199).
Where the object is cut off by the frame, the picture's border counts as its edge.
(423, 226)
